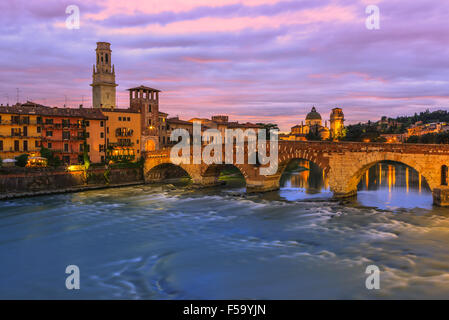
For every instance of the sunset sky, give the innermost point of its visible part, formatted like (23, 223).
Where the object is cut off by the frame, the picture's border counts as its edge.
(256, 60)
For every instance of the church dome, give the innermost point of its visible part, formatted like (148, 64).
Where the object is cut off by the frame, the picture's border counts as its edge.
(313, 115)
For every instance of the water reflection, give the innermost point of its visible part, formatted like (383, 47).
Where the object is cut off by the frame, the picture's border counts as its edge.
(386, 185)
(303, 179)
(391, 185)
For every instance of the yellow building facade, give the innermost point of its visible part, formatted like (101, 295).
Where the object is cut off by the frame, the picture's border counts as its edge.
(123, 135)
(18, 131)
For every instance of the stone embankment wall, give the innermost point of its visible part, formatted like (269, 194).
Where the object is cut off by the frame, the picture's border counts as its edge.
(16, 182)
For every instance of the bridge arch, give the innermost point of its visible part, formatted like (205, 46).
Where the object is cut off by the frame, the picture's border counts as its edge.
(214, 170)
(286, 155)
(165, 170)
(345, 182)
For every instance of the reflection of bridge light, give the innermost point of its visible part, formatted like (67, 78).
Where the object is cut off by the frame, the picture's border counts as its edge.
(380, 173)
(390, 171)
(367, 178)
(406, 178)
(419, 175)
(394, 176)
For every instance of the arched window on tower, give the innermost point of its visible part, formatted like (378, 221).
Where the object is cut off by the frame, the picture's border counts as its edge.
(444, 177)
(98, 58)
(107, 58)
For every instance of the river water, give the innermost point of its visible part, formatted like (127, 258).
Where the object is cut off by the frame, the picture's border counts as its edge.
(154, 242)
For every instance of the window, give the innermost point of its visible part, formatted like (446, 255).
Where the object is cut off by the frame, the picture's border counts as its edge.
(37, 144)
(87, 135)
(65, 123)
(101, 123)
(66, 147)
(107, 58)
(39, 120)
(25, 145)
(49, 133)
(87, 123)
(107, 130)
(1, 145)
(16, 132)
(102, 158)
(149, 108)
(25, 131)
(48, 121)
(444, 177)
(16, 145)
(38, 129)
(129, 118)
(101, 135)
(0, 119)
(49, 145)
(66, 135)
(119, 118)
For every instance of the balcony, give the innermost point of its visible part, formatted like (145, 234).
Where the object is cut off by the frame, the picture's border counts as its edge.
(120, 158)
(121, 144)
(20, 150)
(17, 123)
(123, 132)
(68, 151)
(71, 138)
(73, 126)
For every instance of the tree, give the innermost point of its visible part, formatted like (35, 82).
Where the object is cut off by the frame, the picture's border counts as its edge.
(52, 160)
(22, 160)
(268, 127)
(340, 134)
(313, 136)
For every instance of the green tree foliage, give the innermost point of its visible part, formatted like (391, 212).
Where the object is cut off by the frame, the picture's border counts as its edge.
(22, 160)
(86, 159)
(268, 127)
(340, 134)
(312, 136)
(52, 160)
(435, 138)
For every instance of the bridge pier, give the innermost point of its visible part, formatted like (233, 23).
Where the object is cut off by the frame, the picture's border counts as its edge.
(262, 184)
(346, 195)
(200, 181)
(441, 197)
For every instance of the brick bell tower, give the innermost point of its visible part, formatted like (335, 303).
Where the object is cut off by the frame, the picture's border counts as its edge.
(146, 101)
(103, 78)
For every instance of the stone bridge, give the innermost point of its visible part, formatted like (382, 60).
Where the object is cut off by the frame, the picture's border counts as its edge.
(344, 163)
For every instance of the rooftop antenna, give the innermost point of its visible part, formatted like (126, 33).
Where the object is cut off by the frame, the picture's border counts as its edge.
(17, 94)
(65, 101)
(82, 100)
(7, 97)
